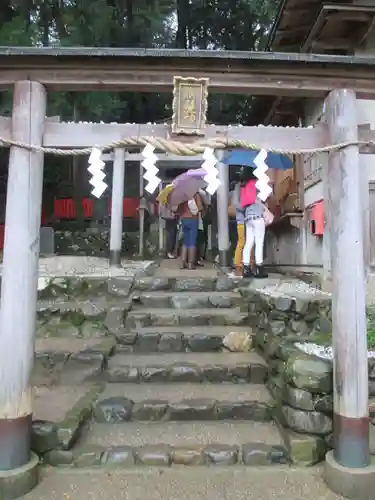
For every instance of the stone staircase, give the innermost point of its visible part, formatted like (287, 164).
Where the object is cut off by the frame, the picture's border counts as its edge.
(165, 383)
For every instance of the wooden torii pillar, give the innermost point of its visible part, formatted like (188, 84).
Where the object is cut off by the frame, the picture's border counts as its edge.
(19, 291)
(348, 469)
(222, 211)
(118, 177)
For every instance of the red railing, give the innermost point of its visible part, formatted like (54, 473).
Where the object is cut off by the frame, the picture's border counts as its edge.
(65, 208)
(129, 208)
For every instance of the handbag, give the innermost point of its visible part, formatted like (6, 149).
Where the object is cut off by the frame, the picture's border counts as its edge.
(193, 207)
(268, 216)
(231, 210)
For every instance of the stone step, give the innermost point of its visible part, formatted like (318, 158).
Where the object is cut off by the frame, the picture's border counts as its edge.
(81, 318)
(107, 284)
(186, 338)
(138, 318)
(70, 361)
(187, 367)
(188, 300)
(183, 402)
(179, 283)
(181, 443)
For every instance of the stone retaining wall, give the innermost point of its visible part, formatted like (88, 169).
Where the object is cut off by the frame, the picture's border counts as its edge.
(91, 243)
(286, 310)
(302, 386)
(281, 314)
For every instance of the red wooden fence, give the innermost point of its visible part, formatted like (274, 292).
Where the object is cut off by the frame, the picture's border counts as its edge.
(65, 208)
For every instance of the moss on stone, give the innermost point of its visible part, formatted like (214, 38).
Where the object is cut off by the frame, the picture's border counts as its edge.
(68, 429)
(325, 338)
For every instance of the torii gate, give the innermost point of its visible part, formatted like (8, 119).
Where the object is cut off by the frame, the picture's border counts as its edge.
(33, 71)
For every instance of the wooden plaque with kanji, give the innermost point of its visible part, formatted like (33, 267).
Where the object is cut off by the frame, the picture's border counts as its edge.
(189, 105)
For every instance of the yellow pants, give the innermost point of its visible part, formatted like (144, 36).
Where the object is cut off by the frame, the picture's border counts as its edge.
(240, 245)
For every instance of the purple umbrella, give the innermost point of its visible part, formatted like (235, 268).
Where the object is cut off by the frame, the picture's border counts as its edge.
(193, 173)
(184, 190)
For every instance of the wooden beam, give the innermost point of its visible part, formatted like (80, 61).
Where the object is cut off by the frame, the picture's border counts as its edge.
(283, 81)
(291, 30)
(153, 70)
(346, 44)
(336, 17)
(262, 83)
(81, 135)
(345, 211)
(20, 276)
(162, 81)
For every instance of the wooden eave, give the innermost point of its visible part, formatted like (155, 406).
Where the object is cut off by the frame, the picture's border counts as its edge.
(294, 23)
(339, 27)
(150, 70)
(336, 27)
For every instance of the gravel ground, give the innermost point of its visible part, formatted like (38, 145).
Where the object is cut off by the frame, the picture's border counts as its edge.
(236, 483)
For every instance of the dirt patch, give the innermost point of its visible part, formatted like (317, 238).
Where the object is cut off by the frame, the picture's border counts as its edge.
(53, 403)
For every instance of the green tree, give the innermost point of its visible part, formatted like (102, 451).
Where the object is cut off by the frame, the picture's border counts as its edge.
(185, 24)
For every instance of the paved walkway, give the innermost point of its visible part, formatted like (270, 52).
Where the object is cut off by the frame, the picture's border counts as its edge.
(236, 483)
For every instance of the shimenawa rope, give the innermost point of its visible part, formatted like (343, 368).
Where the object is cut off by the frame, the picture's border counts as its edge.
(182, 149)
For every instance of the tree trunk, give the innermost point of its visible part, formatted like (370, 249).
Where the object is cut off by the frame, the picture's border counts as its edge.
(182, 17)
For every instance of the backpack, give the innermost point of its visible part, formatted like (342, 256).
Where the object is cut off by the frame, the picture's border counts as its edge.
(166, 212)
(248, 194)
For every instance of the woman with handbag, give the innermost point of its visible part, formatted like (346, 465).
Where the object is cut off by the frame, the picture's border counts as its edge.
(255, 215)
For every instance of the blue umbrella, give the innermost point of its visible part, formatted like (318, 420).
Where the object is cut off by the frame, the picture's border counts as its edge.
(246, 157)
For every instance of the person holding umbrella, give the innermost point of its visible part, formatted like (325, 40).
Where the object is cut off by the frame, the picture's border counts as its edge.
(183, 199)
(189, 213)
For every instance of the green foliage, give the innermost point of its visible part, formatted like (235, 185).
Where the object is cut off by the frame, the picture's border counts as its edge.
(371, 327)
(325, 339)
(204, 24)
(18, 32)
